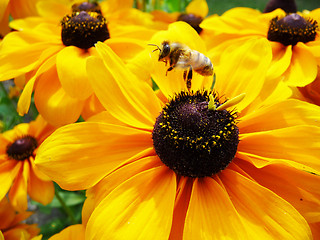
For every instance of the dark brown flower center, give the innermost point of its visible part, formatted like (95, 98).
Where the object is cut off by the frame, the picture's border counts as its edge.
(86, 6)
(84, 29)
(192, 140)
(292, 29)
(289, 6)
(22, 148)
(193, 20)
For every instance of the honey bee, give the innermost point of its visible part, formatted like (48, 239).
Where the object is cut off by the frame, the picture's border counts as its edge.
(182, 57)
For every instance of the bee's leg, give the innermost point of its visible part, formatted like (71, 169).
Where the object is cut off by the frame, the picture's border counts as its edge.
(169, 69)
(188, 78)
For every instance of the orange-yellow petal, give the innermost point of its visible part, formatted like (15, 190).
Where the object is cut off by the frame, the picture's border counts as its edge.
(198, 7)
(303, 67)
(39, 190)
(299, 188)
(263, 213)
(71, 68)
(211, 214)
(139, 208)
(120, 92)
(18, 191)
(242, 70)
(94, 150)
(73, 232)
(281, 144)
(8, 171)
(280, 115)
(53, 103)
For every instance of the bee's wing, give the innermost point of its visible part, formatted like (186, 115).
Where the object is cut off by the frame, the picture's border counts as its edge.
(184, 60)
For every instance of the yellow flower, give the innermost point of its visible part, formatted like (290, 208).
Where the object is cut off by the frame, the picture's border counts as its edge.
(74, 232)
(53, 57)
(11, 226)
(18, 174)
(294, 39)
(152, 159)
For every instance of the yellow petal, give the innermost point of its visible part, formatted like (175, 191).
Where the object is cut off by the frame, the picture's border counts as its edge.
(18, 191)
(299, 188)
(198, 7)
(25, 97)
(283, 114)
(137, 209)
(242, 70)
(39, 190)
(50, 99)
(264, 214)
(8, 172)
(74, 232)
(126, 48)
(211, 214)
(303, 68)
(71, 67)
(84, 153)
(281, 59)
(120, 92)
(295, 144)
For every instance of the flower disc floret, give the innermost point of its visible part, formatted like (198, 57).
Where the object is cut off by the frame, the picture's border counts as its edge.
(84, 29)
(86, 6)
(193, 140)
(292, 29)
(22, 148)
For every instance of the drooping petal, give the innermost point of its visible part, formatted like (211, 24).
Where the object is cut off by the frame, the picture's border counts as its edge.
(242, 70)
(140, 208)
(39, 190)
(299, 188)
(25, 98)
(93, 149)
(281, 59)
(280, 115)
(50, 99)
(8, 172)
(303, 67)
(264, 213)
(211, 214)
(120, 92)
(71, 68)
(18, 191)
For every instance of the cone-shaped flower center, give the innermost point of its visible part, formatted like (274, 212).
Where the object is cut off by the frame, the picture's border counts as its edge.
(86, 6)
(292, 29)
(193, 140)
(84, 29)
(22, 148)
(289, 6)
(193, 20)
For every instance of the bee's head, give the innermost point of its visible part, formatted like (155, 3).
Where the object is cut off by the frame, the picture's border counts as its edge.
(165, 50)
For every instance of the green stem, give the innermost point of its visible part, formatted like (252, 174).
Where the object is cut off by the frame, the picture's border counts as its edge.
(66, 209)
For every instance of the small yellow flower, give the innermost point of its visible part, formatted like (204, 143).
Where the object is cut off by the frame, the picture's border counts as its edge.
(18, 174)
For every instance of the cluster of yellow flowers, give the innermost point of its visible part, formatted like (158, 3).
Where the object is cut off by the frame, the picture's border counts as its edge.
(178, 126)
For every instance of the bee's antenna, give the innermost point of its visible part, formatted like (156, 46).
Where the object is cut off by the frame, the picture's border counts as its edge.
(158, 48)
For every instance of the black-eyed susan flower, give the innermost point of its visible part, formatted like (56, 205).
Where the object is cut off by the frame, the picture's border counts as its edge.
(194, 14)
(152, 157)
(52, 54)
(11, 225)
(18, 173)
(293, 38)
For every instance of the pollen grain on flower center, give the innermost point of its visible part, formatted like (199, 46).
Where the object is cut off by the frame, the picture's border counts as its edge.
(292, 29)
(22, 148)
(193, 140)
(83, 29)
